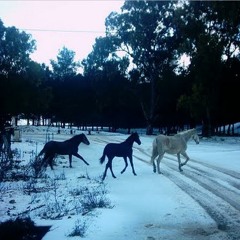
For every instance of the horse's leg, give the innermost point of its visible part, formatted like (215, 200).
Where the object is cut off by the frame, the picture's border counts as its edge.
(179, 162)
(126, 164)
(158, 163)
(187, 158)
(154, 155)
(108, 165)
(153, 162)
(80, 157)
(70, 160)
(154, 165)
(131, 162)
(105, 172)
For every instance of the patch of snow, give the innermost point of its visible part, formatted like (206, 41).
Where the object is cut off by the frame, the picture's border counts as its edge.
(146, 206)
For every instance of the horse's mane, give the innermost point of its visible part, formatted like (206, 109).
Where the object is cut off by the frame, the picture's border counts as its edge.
(187, 134)
(131, 137)
(73, 139)
(186, 131)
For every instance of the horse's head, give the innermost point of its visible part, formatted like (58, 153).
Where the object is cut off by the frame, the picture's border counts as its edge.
(195, 137)
(84, 139)
(136, 138)
(77, 139)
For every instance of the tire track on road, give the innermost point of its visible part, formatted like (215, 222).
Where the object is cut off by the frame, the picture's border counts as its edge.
(219, 169)
(228, 176)
(221, 203)
(225, 216)
(217, 205)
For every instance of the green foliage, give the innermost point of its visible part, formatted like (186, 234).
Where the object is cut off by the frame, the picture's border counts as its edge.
(212, 28)
(22, 87)
(113, 95)
(65, 67)
(15, 47)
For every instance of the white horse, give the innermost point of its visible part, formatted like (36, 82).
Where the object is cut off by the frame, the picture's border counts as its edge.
(176, 144)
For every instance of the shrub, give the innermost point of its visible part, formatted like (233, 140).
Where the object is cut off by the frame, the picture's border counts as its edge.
(95, 198)
(79, 229)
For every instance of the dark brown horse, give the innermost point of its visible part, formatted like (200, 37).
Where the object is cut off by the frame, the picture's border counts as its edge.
(68, 147)
(123, 149)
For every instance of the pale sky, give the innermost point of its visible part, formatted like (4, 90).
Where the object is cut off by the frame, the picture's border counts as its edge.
(82, 22)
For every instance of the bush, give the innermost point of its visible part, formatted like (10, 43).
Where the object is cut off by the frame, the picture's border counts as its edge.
(79, 230)
(95, 198)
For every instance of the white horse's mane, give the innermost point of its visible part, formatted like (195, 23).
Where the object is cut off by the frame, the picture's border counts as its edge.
(187, 131)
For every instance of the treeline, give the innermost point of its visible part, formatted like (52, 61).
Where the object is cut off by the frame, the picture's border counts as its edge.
(138, 75)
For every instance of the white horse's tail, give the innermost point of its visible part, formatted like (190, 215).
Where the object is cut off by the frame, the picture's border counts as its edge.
(154, 150)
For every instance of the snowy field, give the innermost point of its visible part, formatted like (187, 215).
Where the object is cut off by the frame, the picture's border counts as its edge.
(202, 202)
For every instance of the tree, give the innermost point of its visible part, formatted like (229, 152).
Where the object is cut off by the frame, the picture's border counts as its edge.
(145, 32)
(37, 94)
(211, 33)
(112, 91)
(65, 66)
(64, 70)
(15, 47)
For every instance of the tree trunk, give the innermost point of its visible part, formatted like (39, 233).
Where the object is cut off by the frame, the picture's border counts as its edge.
(149, 130)
(149, 113)
(228, 130)
(207, 128)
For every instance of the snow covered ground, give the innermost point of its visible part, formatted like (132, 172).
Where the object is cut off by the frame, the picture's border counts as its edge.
(202, 202)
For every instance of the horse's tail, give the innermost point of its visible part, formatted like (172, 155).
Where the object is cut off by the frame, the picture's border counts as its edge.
(154, 150)
(38, 163)
(41, 153)
(102, 158)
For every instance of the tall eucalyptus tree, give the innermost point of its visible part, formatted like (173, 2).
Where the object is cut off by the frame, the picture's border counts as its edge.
(145, 32)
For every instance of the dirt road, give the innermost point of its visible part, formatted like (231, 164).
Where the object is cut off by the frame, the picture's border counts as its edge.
(215, 189)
